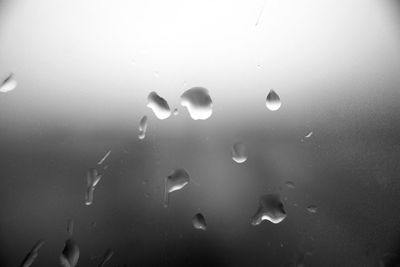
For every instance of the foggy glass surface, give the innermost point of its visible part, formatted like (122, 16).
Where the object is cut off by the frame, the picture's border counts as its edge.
(75, 80)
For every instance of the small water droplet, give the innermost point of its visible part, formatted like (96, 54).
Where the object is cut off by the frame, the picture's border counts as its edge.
(239, 152)
(159, 106)
(270, 208)
(92, 179)
(198, 103)
(8, 84)
(70, 227)
(156, 74)
(312, 209)
(290, 184)
(309, 135)
(178, 179)
(273, 102)
(259, 66)
(104, 158)
(142, 127)
(70, 255)
(199, 222)
(32, 254)
(176, 112)
(106, 257)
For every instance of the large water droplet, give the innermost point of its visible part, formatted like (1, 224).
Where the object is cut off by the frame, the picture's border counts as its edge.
(70, 254)
(142, 127)
(159, 106)
(198, 102)
(92, 179)
(199, 222)
(312, 209)
(175, 181)
(273, 101)
(8, 84)
(32, 255)
(106, 257)
(270, 208)
(239, 152)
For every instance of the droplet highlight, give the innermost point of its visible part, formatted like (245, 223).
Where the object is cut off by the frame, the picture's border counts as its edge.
(178, 179)
(159, 106)
(199, 222)
(239, 152)
(273, 102)
(142, 127)
(198, 103)
(270, 208)
(8, 84)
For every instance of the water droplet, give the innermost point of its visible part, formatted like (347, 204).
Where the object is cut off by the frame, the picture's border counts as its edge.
(142, 127)
(156, 74)
(270, 208)
(259, 66)
(312, 208)
(199, 222)
(159, 106)
(8, 84)
(104, 157)
(198, 103)
(175, 181)
(106, 257)
(273, 101)
(290, 184)
(70, 227)
(309, 135)
(70, 254)
(92, 179)
(239, 152)
(176, 112)
(32, 255)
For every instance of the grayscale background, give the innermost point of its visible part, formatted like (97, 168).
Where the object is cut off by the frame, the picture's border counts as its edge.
(85, 69)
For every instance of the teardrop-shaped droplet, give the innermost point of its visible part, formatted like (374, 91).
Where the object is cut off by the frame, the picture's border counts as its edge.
(198, 103)
(178, 179)
(142, 127)
(290, 184)
(70, 227)
(70, 255)
(273, 102)
(270, 208)
(312, 209)
(8, 84)
(159, 106)
(106, 257)
(32, 255)
(239, 152)
(199, 222)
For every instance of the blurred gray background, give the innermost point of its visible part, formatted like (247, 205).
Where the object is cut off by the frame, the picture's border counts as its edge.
(85, 69)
